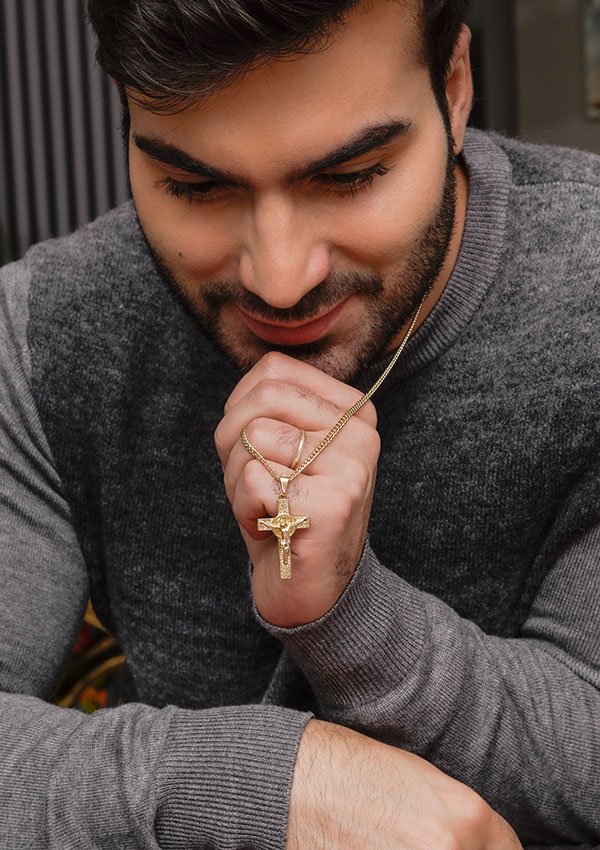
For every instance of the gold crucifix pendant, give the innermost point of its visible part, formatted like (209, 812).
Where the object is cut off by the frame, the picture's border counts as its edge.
(283, 527)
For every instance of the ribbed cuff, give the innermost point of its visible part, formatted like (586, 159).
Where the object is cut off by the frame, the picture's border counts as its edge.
(226, 778)
(366, 643)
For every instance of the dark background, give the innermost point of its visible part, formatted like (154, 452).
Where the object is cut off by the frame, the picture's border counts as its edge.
(61, 161)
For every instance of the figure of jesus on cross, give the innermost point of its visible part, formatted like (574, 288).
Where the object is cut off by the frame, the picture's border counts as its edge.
(283, 526)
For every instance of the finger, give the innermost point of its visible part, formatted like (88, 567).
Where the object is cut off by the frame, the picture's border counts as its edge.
(280, 367)
(253, 499)
(279, 401)
(276, 441)
(255, 495)
(356, 444)
(332, 503)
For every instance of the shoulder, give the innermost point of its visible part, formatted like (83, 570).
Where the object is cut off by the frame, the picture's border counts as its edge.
(536, 165)
(91, 281)
(554, 214)
(51, 298)
(543, 305)
(110, 247)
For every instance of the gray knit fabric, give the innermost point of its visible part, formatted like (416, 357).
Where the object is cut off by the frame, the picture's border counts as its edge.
(470, 633)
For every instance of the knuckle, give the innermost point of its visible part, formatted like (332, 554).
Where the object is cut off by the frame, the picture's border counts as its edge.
(236, 508)
(476, 815)
(361, 479)
(367, 413)
(371, 413)
(375, 444)
(219, 441)
(368, 438)
(250, 475)
(255, 431)
(266, 391)
(273, 363)
(229, 484)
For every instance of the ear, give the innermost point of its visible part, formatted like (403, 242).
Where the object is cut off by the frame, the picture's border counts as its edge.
(459, 88)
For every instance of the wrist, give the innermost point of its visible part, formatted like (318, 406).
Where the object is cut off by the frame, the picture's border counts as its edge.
(308, 597)
(283, 608)
(376, 628)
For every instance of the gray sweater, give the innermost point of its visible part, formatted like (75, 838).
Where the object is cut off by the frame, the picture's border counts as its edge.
(470, 633)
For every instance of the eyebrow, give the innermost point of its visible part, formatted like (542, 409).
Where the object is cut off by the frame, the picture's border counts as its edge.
(369, 139)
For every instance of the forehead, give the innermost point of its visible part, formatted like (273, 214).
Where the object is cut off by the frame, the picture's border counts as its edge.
(370, 68)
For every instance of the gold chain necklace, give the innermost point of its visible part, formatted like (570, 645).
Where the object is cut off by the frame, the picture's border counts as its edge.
(284, 525)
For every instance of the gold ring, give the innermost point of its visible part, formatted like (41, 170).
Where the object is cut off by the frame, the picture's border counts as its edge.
(296, 459)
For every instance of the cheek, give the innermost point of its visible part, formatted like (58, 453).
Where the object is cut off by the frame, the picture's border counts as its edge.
(195, 249)
(191, 242)
(387, 227)
(384, 228)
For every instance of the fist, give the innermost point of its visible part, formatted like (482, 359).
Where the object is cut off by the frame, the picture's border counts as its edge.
(352, 793)
(274, 401)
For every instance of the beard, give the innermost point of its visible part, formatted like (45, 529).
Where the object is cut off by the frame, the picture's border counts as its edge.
(389, 306)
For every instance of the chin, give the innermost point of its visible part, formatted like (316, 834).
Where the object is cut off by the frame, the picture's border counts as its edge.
(320, 355)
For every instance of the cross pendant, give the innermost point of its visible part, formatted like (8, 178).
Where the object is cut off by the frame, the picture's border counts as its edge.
(283, 527)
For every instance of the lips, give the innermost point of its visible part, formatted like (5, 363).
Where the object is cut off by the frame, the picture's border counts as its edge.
(292, 333)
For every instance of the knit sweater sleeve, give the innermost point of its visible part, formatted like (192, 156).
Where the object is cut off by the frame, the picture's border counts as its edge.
(518, 720)
(129, 777)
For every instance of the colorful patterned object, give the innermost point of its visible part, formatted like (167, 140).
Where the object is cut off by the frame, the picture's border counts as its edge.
(93, 676)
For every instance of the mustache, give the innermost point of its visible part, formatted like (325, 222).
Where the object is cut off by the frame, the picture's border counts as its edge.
(322, 297)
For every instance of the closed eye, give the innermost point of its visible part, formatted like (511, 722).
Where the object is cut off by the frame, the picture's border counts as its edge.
(344, 184)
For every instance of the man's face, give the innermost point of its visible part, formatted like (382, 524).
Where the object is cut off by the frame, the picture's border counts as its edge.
(323, 261)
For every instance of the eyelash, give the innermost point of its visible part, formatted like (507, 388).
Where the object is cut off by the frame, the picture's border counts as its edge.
(346, 185)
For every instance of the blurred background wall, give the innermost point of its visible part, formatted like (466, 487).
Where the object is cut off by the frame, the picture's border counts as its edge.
(61, 161)
(550, 64)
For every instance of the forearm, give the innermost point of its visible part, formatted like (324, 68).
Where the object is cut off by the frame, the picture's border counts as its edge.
(141, 777)
(507, 717)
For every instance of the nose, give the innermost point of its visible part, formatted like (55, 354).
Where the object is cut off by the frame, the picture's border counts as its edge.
(284, 257)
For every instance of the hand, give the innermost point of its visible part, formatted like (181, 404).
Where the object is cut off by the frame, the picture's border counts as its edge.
(274, 400)
(352, 793)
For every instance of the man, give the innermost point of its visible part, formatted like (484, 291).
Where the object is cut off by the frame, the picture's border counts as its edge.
(307, 200)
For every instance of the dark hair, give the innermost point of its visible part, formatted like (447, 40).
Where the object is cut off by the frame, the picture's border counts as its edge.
(179, 51)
